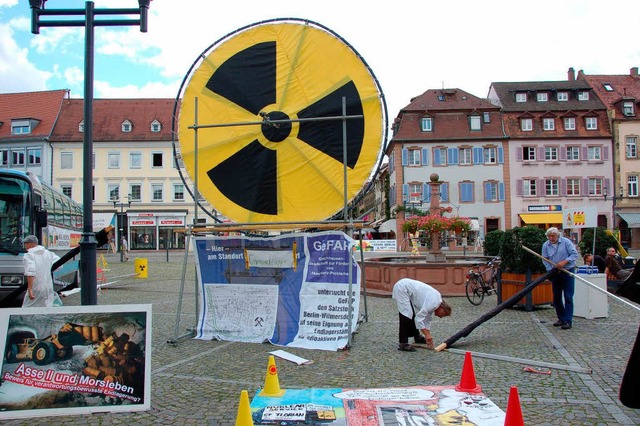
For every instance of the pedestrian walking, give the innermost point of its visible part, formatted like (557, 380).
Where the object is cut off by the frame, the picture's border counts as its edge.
(125, 248)
(37, 263)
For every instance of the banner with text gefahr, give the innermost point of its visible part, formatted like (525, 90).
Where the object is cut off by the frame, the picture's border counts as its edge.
(73, 360)
(290, 290)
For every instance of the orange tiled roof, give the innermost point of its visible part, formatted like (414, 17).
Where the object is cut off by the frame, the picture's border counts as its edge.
(42, 106)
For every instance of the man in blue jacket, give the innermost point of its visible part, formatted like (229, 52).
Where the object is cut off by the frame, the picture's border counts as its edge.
(562, 252)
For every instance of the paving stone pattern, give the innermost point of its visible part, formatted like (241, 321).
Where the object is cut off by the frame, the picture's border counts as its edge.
(199, 382)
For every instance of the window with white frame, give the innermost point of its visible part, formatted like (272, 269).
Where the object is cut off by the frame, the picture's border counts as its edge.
(551, 153)
(66, 160)
(542, 96)
(521, 97)
(135, 160)
(551, 187)
(474, 122)
(20, 127)
(414, 157)
(113, 160)
(631, 147)
(415, 193)
(583, 96)
(562, 96)
(491, 191)
(632, 186)
(628, 110)
(126, 126)
(178, 192)
(465, 156)
(529, 187)
(426, 124)
(4, 157)
(440, 156)
(156, 159)
(81, 127)
(591, 123)
(17, 157)
(135, 192)
(34, 156)
(596, 187)
(608, 87)
(67, 189)
(569, 123)
(573, 186)
(548, 123)
(529, 153)
(155, 126)
(113, 191)
(573, 153)
(594, 153)
(157, 192)
(490, 155)
(486, 117)
(526, 124)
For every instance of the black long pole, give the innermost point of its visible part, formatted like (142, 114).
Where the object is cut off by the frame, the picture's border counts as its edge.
(88, 243)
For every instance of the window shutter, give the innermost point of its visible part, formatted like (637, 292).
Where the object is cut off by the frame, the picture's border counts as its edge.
(405, 192)
(425, 157)
(487, 191)
(519, 154)
(585, 153)
(501, 155)
(392, 195)
(453, 155)
(541, 153)
(426, 193)
(444, 192)
(519, 187)
(466, 192)
(563, 153)
(605, 153)
(405, 156)
(563, 187)
(500, 191)
(585, 184)
(607, 184)
(478, 157)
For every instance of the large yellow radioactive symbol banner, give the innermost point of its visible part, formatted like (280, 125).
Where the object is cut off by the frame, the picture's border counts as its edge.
(289, 170)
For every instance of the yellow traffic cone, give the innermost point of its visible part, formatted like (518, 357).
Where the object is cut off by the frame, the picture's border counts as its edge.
(244, 417)
(271, 383)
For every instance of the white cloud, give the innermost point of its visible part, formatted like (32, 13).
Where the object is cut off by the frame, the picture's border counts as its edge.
(73, 76)
(18, 74)
(103, 89)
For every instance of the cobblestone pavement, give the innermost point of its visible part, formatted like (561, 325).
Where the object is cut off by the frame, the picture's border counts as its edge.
(199, 382)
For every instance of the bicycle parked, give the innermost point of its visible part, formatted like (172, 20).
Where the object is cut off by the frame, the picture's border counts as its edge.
(477, 286)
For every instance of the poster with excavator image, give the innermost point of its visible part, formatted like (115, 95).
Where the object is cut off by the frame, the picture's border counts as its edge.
(75, 360)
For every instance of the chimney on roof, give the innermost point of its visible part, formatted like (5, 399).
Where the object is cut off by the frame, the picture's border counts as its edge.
(571, 74)
(634, 72)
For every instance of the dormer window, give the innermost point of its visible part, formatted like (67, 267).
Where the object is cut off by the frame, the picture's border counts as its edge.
(583, 96)
(608, 87)
(542, 97)
(23, 127)
(156, 126)
(426, 124)
(127, 126)
(628, 110)
(474, 122)
(563, 97)
(81, 127)
(521, 97)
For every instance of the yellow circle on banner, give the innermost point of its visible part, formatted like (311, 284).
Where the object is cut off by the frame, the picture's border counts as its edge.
(270, 131)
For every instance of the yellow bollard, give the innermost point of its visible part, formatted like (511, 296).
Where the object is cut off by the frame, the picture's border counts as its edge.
(141, 267)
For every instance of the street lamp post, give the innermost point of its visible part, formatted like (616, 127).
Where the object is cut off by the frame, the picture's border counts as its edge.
(88, 243)
(117, 203)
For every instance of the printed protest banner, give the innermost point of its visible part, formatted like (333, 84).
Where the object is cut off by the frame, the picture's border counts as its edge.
(75, 360)
(296, 290)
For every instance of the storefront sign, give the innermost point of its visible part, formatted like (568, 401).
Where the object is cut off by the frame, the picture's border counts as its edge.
(545, 208)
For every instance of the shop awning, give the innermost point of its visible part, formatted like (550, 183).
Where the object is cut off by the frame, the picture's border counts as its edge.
(632, 219)
(537, 218)
(388, 226)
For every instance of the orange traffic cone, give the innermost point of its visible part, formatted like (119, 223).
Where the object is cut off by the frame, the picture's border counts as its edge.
(468, 378)
(244, 417)
(271, 382)
(514, 411)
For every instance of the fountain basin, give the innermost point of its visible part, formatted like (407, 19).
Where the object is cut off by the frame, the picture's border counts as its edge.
(448, 277)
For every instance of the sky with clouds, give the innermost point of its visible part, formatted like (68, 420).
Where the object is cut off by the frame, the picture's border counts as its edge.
(411, 46)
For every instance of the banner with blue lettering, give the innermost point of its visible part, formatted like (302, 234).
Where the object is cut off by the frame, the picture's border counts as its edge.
(290, 290)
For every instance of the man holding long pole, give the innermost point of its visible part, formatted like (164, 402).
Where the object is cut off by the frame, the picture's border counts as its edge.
(563, 254)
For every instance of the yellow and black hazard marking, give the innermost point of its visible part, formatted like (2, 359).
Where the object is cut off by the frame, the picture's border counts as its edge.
(287, 78)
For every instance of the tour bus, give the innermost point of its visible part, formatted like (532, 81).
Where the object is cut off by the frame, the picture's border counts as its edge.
(29, 206)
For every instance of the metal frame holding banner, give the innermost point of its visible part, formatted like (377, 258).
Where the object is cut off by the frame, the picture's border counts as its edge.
(75, 360)
(297, 290)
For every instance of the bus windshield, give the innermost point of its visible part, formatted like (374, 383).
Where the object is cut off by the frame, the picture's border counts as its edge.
(15, 218)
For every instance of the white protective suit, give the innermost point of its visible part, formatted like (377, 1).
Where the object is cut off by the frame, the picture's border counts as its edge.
(424, 298)
(37, 263)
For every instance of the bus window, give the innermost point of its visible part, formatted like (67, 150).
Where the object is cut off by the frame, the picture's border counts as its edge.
(66, 212)
(57, 210)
